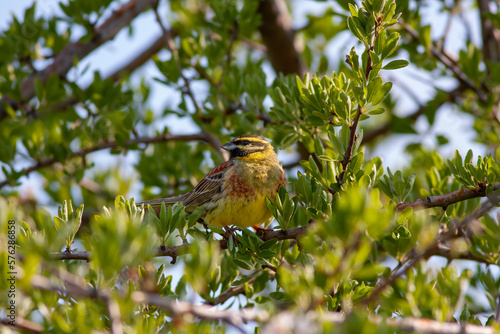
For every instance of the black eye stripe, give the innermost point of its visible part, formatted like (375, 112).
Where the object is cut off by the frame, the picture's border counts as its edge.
(246, 147)
(248, 142)
(259, 144)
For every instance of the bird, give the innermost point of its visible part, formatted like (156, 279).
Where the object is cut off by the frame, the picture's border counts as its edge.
(234, 193)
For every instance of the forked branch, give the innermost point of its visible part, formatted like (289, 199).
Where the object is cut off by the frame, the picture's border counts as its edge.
(65, 60)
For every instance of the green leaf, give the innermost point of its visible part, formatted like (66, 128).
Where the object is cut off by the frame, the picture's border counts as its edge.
(354, 28)
(289, 140)
(391, 45)
(408, 186)
(261, 281)
(315, 121)
(396, 64)
(377, 91)
(378, 5)
(195, 216)
(405, 215)
(377, 111)
(280, 296)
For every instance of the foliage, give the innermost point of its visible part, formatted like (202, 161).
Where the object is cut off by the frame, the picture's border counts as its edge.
(350, 235)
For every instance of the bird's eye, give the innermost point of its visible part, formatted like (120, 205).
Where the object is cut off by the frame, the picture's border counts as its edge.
(244, 142)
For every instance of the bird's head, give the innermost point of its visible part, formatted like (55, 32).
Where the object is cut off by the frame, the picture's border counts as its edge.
(249, 147)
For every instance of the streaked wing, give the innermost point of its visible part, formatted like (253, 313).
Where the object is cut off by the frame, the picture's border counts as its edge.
(208, 187)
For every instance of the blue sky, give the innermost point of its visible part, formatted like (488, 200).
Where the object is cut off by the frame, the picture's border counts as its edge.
(449, 122)
(456, 126)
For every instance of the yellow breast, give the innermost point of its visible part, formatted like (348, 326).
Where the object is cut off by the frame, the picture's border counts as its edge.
(243, 200)
(240, 212)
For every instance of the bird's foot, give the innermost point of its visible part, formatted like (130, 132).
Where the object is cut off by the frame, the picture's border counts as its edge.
(260, 232)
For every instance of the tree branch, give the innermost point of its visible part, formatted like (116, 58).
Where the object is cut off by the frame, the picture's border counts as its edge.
(490, 34)
(352, 139)
(370, 135)
(278, 37)
(73, 287)
(446, 199)
(491, 47)
(180, 308)
(354, 125)
(234, 291)
(136, 62)
(292, 233)
(175, 251)
(175, 55)
(284, 321)
(65, 60)
(416, 254)
(450, 63)
(202, 136)
(451, 254)
(288, 322)
(141, 58)
(295, 233)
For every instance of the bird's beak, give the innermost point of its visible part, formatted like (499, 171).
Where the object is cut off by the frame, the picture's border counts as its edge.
(228, 146)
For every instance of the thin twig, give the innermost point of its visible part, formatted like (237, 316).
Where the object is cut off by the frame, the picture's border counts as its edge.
(136, 62)
(76, 282)
(296, 233)
(78, 50)
(291, 164)
(270, 266)
(74, 288)
(370, 135)
(414, 255)
(202, 136)
(287, 321)
(353, 127)
(175, 54)
(452, 64)
(203, 74)
(254, 45)
(447, 29)
(156, 46)
(175, 251)
(451, 254)
(234, 291)
(233, 37)
(447, 199)
(180, 308)
(352, 139)
(408, 90)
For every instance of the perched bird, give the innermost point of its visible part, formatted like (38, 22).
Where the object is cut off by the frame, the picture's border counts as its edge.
(234, 192)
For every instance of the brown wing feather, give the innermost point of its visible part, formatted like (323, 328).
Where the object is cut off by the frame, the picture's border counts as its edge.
(208, 187)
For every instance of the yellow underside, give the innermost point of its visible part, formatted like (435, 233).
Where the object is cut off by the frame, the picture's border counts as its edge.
(240, 212)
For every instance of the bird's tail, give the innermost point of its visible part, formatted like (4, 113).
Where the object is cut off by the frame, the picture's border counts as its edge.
(167, 200)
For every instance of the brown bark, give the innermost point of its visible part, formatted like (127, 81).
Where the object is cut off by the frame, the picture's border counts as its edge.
(278, 36)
